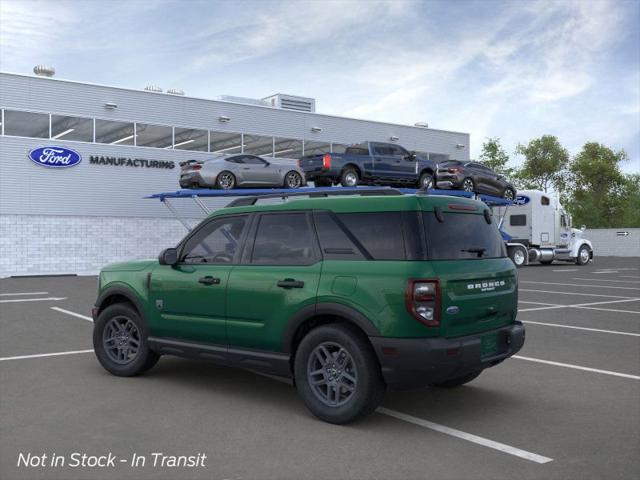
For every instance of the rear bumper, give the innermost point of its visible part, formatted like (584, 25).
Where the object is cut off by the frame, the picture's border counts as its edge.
(448, 181)
(418, 362)
(188, 180)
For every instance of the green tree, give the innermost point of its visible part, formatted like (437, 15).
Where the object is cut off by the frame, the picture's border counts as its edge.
(495, 157)
(545, 164)
(599, 194)
(631, 211)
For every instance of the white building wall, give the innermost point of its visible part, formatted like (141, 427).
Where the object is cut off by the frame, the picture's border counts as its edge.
(608, 242)
(48, 245)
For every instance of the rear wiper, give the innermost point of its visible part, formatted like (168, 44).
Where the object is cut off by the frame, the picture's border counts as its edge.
(479, 250)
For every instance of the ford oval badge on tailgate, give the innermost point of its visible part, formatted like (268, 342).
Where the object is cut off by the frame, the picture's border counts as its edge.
(452, 310)
(55, 157)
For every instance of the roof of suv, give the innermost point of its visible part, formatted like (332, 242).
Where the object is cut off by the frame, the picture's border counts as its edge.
(369, 203)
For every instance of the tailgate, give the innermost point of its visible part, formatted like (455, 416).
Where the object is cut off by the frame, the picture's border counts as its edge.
(477, 295)
(311, 162)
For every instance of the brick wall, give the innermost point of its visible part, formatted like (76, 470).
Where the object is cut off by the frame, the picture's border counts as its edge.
(41, 245)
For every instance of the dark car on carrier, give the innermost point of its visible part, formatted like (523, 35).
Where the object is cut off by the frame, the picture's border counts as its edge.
(473, 177)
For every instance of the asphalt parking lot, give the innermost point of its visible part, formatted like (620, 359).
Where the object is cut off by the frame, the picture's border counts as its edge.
(567, 408)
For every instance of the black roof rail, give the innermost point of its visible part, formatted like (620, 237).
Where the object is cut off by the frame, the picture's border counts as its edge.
(329, 192)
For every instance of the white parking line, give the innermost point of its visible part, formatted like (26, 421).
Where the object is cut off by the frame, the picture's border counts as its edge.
(629, 276)
(23, 293)
(607, 271)
(40, 355)
(73, 314)
(47, 299)
(578, 367)
(566, 270)
(610, 310)
(581, 285)
(533, 457)
(574, 293)
(541, 303)
(588, 306)
(615, 332)
(605, 280)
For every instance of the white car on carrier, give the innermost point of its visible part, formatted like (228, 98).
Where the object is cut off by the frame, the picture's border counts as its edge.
(539, 230)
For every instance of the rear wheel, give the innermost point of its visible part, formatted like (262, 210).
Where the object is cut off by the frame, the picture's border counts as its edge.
(349, 178)
(584, 255)
(293, 179)
(120, 341)
(468, 185)
(226, 180)
(337, 374)
(457, 382)
(426, 181)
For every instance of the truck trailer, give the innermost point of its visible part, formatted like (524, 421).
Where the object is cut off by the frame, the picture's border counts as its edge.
(537, 228)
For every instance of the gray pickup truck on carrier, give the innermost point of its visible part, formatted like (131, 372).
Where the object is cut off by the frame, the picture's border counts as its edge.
(372, 163)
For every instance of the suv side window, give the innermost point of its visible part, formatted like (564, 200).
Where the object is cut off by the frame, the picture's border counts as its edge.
(217, 242)
(380, 233)
(334, 240)
(284, 239)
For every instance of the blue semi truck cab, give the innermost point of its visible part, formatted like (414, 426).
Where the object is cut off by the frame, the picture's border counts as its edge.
(370, 163)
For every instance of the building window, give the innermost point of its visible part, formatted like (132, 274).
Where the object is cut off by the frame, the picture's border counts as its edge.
(287, 148)
(258, 145)
(225, 143)
(114, 133)
(26, 124)
(316, 148)
(191, 139)
(71, 128)
(157, 136)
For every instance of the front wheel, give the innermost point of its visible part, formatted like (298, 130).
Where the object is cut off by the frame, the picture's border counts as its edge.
(584, 255)
(426, 181)
(120, 341)
(518, 256)
(337, 374)
(293, 180)
(349, 178)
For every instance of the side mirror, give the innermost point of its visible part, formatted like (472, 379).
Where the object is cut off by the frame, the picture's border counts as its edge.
(169, 256)
(411, 157)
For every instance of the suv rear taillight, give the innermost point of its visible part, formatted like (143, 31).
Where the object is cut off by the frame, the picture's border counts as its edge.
(423, 301)
(453, 170)
(326, 161)
(196, 167)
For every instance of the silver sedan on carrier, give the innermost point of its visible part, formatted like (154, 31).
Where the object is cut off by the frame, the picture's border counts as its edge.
(244, 170)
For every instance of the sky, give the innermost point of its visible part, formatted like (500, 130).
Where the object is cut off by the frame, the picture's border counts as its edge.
(509, 69)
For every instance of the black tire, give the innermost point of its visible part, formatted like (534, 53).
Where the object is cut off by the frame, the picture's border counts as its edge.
(459, 381)
(322, 182)
(426, 181)
(468, 185)
(509, 194)
(368, 388)
(225, 180)
(292, 179)
(584, 255)
(349, 177)
(518, 256)
(133, 363)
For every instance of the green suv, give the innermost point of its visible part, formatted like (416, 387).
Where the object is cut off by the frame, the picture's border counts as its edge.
(345, 295)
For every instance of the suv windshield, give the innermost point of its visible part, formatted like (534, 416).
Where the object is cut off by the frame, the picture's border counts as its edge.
(462, 236)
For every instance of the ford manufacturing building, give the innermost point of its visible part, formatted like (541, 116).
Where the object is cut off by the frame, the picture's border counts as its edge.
(129, 143)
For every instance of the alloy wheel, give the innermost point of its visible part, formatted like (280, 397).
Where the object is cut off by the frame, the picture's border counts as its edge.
(518, 257)
(121, 340)
(508, 194)
(351, 179)
(467, 185)
(332, 374)
(226, 181)
(293, 180)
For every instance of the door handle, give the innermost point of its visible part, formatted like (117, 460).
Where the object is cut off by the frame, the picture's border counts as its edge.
(208, 280)
(290, 283)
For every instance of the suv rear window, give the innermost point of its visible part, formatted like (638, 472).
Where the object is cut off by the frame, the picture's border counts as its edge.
(462, 236)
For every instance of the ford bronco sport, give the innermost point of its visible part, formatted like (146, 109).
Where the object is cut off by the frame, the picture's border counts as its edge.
(347, 296)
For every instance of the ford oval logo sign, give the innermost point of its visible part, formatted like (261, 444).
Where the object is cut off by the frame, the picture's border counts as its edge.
(521, 200)
(55, 157)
